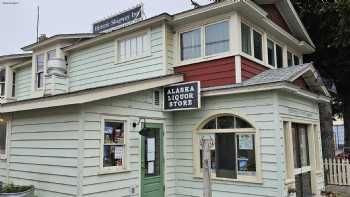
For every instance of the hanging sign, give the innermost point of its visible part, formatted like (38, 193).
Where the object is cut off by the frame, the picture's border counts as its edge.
(182, 96)
(122, 19)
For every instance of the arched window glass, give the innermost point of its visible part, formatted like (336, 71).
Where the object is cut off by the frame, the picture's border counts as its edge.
(233, 154)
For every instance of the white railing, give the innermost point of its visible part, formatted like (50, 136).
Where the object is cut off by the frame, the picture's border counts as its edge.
(337, 171)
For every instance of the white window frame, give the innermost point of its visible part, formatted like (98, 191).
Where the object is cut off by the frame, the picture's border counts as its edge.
(3, 91)
(148, 52)
(114, 169)
(198, 131)
(294, 54)
(36, 71)
(275, 43)
(204, 57)
(4, 156)
(47, 54)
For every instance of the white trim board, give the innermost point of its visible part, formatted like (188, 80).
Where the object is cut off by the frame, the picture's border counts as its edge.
(91, 95)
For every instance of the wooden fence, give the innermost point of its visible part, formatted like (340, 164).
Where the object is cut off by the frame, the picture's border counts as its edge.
(337, 171)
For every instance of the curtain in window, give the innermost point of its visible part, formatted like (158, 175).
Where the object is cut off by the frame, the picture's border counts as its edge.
(246, 42)
(216, 38)
(191, 44)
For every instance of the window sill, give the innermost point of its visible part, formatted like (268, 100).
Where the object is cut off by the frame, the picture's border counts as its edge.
(132, 59)
(3, 157)
(253, 180)
(106, 171)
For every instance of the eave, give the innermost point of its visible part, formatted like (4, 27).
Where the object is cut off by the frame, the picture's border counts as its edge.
(11, 57)
(90, 95)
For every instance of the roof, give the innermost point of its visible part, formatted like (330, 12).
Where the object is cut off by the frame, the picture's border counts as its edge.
(15, 56)
(289, 74)
(57, 37)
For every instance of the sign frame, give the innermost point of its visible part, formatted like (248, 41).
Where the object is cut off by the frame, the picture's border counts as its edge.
(184, 109)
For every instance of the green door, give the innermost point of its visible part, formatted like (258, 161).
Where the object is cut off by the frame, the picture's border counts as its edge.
(152, 162)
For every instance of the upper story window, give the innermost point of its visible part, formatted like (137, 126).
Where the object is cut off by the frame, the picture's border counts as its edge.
(251, 39)
(39, 75)
(134, 47)
(292, 59)
(2, 82)
(296, 60)
(274, 54)
(3, 138)
(279, 56)
(51, 54)
(13, 93)
(205, 41)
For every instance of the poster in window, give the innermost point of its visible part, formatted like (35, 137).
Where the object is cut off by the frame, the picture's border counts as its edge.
(243, 164)
(245, 142)
(150, 169)
(119, 152)
(151, 146)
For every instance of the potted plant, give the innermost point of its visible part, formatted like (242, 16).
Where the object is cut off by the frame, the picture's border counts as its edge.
(11, 190)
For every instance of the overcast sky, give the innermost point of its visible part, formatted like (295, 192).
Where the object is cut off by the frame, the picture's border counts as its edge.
(18, 17)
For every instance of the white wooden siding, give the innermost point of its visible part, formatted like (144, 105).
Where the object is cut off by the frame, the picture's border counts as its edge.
(3, 167)
(259, 108)
(96, 66)
(23, 82)
(131, 107)
(43, 151)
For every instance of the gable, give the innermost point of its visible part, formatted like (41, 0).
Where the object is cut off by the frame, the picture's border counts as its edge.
(275, 15)
(301, 83)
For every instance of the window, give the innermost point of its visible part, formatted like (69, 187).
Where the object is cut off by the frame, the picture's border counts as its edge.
(191, 44)
(279, 56)
(51, 54)
(2, 82)
(3, 128)
(246, 39)
(216, 40)
(290, 58)
(296, 60)
(39, 79)
(134, 47)
(233, 154)
(257, 45)
(271, 52)
(13, 84)
(114, 144)
(300, 146)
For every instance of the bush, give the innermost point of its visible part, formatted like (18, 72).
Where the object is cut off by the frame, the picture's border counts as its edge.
(11, 188)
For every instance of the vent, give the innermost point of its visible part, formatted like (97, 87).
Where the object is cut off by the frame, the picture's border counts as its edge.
(156, 97)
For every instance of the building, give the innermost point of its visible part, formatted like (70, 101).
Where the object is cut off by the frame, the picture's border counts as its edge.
(73, 106)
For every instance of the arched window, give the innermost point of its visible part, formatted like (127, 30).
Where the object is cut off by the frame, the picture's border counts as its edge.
(234, 153)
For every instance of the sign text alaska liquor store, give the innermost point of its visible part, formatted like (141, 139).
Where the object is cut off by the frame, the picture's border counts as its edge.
(182, 96)
(122, 19)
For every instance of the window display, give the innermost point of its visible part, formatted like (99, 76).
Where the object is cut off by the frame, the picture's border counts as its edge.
(114, 144)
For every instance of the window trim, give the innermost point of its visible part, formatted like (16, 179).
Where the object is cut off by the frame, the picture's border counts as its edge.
(146, 32)
(8, 123)
(196, 146)
(275, 44)
(36, 71)
(114, 169)
(3, 91)
(204, 57)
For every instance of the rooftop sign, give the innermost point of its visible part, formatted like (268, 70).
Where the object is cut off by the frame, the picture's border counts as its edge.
(120, 20)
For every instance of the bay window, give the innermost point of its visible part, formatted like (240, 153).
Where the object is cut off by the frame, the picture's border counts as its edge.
(205, 41)
(113, 145)
(3, 138)
(279, 56)
(133, 47)
(39, 75)
(233, 154)
(296, 60)
(289, 58)
(246, 39)
(251, 39)
(13, 91)
(51, 54)
(271, 52)
(257, 38)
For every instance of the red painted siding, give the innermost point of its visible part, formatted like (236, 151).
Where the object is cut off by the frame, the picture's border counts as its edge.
(275, 16)
(301, 83)
(250, 69)
(211, 73)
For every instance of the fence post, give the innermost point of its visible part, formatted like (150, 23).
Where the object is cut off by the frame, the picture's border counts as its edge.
(343, 171)
(348, 171)
(335, 171)
(331, 174)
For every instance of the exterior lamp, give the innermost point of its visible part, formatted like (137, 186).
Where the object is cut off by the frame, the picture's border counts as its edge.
(144, 129)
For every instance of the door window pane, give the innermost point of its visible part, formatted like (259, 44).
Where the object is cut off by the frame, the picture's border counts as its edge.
(303, 185)
(257, 45)
(300, 146)
(114, 144)
(2, 138)
(226, 122)
(191, 44)
(271, 52)
(216, 38)
(225, 155)
(246, 154)
(246, 39)
(152, 153)
(279, 56)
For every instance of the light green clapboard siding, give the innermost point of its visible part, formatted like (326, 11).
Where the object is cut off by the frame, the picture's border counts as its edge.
(44, 152)
(129, 106)
(3, 167)
(95, 66)
(259, 108)
(23, 82)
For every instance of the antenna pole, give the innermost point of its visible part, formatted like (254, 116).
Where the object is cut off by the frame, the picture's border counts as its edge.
(37, 25)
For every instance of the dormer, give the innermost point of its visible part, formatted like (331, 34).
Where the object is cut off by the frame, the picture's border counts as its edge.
(8, 65)
(49, 63)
